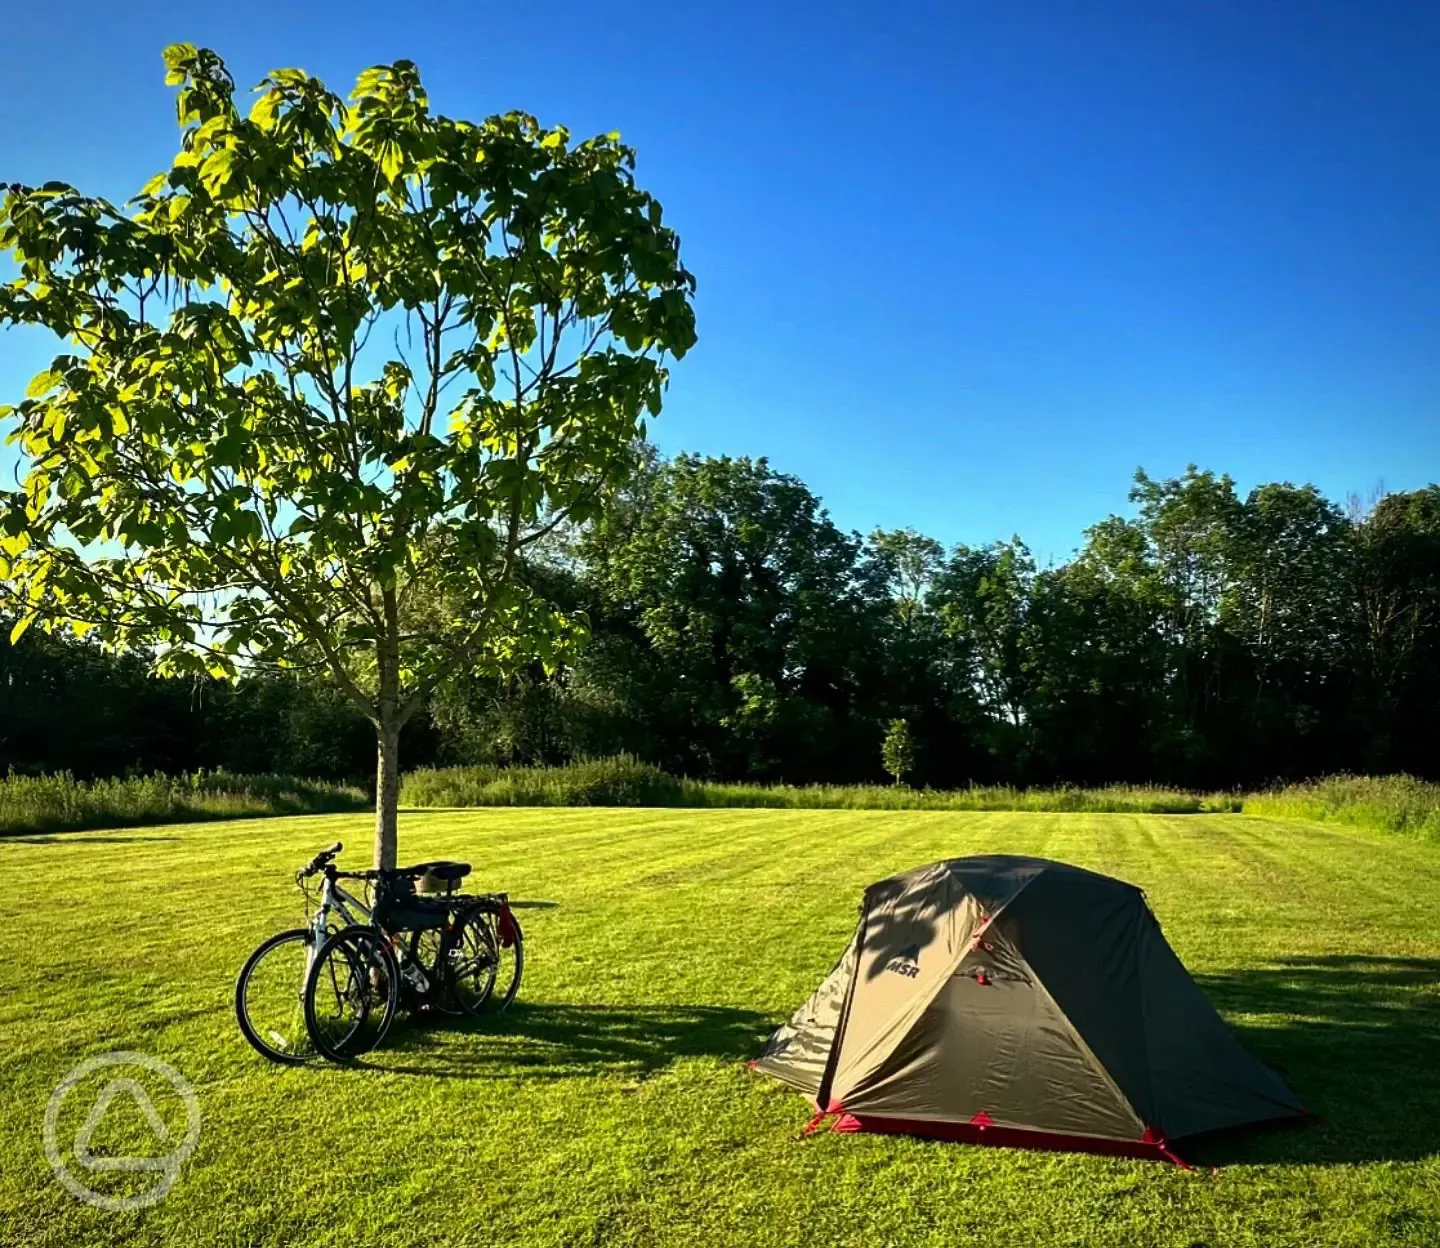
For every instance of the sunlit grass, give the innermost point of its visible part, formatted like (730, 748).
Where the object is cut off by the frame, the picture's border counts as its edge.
(1393, 803)
(613, 1107)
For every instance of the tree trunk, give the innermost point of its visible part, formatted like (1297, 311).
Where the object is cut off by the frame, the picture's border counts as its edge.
(387, 794)
(387, 730)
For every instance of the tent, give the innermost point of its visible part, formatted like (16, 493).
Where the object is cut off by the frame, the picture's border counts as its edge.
(1010, 1000)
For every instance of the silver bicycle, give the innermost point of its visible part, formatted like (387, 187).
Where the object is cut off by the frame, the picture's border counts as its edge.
(270, 990)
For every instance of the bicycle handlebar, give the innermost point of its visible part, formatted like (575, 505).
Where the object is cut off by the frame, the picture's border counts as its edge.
(323, 859)
(326, 856)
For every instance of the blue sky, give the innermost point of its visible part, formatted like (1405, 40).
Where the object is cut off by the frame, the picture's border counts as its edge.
(963, 266)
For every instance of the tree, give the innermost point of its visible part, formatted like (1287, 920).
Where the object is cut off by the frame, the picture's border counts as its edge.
(1395, 607)
(1289, 549)
(897, 751)
(909, 561)
(743, 618)
(1097, 673)
(231, 470)
(983, 596)
(66, 705)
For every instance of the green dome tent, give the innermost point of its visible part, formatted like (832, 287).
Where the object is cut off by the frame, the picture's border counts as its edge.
(1010, 1000)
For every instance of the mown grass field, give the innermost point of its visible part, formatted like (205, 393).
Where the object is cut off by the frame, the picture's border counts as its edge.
(612, 1105)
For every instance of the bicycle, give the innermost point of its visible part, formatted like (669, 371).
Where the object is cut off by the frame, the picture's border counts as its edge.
(461, 949)
(270, 989)
(474, 959)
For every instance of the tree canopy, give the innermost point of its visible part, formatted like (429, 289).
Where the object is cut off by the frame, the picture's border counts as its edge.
(332, 375)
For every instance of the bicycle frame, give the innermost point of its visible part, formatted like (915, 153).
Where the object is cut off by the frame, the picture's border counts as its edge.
(334, 897)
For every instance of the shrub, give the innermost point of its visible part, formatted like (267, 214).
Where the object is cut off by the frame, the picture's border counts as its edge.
(618, 781)
(60, 802)
(626, 781)
(1388, 803)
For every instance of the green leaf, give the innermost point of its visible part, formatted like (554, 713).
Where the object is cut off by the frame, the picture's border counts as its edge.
(217, 170)
(266, 109)
(42, 383)
(176, 56)
(392, 160)
(21, 625)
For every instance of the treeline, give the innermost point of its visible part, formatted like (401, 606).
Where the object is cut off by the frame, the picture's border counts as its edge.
(68, 706)
(1206, 640)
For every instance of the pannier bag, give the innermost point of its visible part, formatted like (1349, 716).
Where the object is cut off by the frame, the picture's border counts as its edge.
(398, 908)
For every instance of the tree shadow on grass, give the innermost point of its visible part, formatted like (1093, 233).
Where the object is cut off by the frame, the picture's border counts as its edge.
(540, 1041)
(1357, 1039)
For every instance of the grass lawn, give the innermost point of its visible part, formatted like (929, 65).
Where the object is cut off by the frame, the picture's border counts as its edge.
(612, 1104)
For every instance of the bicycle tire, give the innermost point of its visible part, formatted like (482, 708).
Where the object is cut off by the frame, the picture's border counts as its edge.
(286, 1055)
(371, 986)
(484, 919)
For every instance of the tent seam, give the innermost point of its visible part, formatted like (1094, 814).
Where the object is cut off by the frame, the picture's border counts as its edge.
(1141, 935)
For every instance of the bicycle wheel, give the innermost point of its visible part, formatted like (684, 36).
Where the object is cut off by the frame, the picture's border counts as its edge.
(351, 993)
(270, 997)
(487, 959)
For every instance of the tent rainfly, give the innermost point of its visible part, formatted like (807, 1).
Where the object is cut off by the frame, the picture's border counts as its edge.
(1018, 1001)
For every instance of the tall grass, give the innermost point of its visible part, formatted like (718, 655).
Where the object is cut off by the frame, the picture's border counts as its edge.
(1390, 803)
(625, 781)
(618, 781)
(61, 803)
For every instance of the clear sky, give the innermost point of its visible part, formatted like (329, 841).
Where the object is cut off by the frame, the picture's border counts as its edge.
(962, 265)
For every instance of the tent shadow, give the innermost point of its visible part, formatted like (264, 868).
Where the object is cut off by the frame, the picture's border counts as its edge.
(1357, 1039)
(551, 1041)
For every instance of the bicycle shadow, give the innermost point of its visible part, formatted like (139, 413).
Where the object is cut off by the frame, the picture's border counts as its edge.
(1357, 1038)
(552, 1041)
